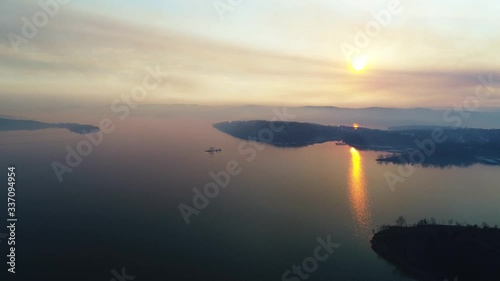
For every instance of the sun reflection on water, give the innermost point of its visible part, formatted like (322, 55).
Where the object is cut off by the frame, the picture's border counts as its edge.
(358, 196)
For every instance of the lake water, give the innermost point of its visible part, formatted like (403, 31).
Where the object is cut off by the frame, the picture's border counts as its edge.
(119, 208)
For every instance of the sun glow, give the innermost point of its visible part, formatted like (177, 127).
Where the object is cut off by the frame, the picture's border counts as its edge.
(359, 63)
(355, 126)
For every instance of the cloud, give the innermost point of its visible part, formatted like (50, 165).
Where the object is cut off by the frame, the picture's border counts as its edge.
(82, 57)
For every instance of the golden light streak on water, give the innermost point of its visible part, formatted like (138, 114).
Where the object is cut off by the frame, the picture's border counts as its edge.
(358, 196)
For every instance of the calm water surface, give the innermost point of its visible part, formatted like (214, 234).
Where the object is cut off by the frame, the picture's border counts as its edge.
(119, 208)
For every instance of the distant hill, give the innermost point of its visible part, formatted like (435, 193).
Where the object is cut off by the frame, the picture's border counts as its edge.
(373, 117)
(30, 125)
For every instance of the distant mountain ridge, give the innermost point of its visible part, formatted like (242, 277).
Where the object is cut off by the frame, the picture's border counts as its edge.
(371, 117)
(30, 125)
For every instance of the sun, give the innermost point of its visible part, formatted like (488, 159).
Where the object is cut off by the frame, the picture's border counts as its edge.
(355, 126)
(359, 63)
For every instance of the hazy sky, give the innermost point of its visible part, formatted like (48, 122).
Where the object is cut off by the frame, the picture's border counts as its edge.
(278, 52)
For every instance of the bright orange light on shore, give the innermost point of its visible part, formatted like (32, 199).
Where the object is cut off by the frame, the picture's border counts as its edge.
(355, 126)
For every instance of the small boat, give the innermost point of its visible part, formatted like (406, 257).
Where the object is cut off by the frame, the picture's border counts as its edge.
(213, 150)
